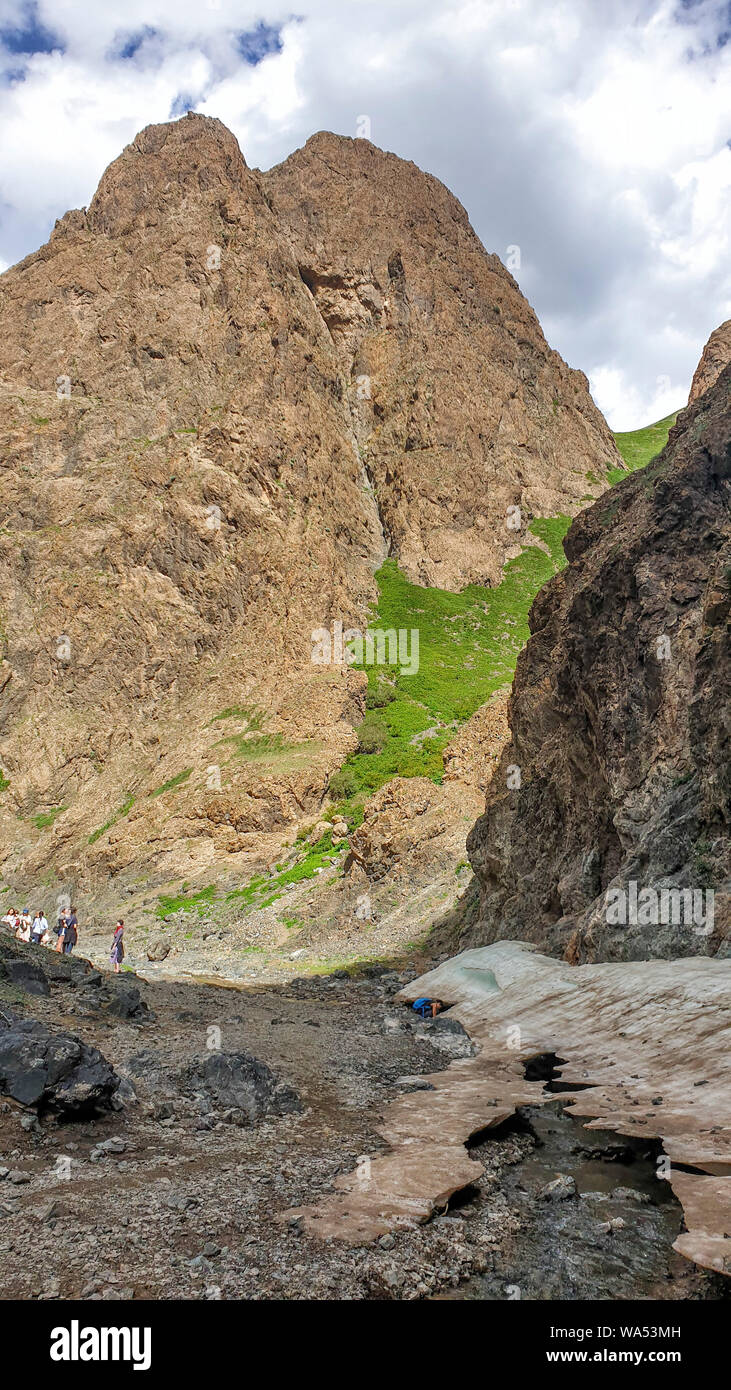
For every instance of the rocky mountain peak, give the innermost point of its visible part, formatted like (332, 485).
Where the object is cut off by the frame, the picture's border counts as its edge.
(195, 158)
(715, 356)
(225, 397)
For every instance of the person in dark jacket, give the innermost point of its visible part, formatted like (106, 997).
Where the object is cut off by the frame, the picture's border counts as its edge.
(60, 927)
(70, 933)
(116, 955)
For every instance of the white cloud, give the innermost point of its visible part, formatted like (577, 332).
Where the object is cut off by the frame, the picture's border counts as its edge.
(594, 137)
(625, 405)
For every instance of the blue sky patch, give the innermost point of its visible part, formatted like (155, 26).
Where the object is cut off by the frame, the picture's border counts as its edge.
(127, 45)
(181, 104)
(30, 35)
(258, 43)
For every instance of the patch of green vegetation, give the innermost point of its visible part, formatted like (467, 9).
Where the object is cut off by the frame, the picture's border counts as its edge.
(4, 781)
(251, 716)
(468, 646)
(257, 745)
(40, 420)
(174, 782)
(639, 447)
(262, 891)
(46, 818)
(187, 902)
(251, 743)
(123, 811)
(317, 856)
(248, 894)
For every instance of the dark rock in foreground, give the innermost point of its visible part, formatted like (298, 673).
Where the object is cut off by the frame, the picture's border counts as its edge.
(236, 1081)
(618, 773)
(51, 1069)
(28, 976)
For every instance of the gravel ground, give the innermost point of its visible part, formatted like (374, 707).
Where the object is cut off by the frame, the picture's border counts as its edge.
(175, 1196)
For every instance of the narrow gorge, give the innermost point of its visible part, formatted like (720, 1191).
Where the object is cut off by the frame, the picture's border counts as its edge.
(352, 660)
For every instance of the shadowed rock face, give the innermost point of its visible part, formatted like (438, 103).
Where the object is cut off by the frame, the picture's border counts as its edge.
(620, 719)
(715, 356)
(266, 383)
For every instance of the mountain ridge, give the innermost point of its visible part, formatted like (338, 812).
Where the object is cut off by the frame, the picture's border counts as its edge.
(205, 458)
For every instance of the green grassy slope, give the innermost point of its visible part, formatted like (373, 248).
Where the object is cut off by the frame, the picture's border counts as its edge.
(638, 447)
(468, 646)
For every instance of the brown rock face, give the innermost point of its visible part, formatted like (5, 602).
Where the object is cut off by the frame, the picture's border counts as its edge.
(618, 773)
(463, 409)
(224, 398)
(715, 356)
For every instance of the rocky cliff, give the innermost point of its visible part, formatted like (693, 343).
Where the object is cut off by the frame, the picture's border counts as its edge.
(225, 397)
(616, 780)
(715, 356)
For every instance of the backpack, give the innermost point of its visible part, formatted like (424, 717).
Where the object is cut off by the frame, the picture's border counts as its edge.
(422, 1006)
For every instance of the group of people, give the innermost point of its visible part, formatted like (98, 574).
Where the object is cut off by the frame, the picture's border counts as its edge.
(37, 930)
(66, 931)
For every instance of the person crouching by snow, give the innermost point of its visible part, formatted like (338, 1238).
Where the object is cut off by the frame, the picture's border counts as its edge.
(116, 955)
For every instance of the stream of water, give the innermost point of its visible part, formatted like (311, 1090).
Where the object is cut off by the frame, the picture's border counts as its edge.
(561, 1252)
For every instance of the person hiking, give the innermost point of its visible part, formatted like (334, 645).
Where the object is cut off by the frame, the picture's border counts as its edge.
(24, 925)
(60, 928)
(39, 928)
(70, 933)
(116, 955)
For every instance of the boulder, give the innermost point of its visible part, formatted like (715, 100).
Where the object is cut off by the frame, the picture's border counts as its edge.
(237, 1081)
(158, 949)
(560, 1189)
(28, 976)
(52, 1069)
(127, 1002)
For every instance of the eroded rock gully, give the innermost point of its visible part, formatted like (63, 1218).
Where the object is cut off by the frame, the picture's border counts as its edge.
(646, 1042)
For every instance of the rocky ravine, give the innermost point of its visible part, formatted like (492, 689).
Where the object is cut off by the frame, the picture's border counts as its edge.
(225, 1109)
(225, 397)
(618, 768)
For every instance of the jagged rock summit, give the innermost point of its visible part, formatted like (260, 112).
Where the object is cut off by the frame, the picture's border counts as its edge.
(225, 397)
(715, 356)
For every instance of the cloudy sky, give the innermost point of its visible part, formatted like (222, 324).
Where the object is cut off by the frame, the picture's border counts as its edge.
(593, 134)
